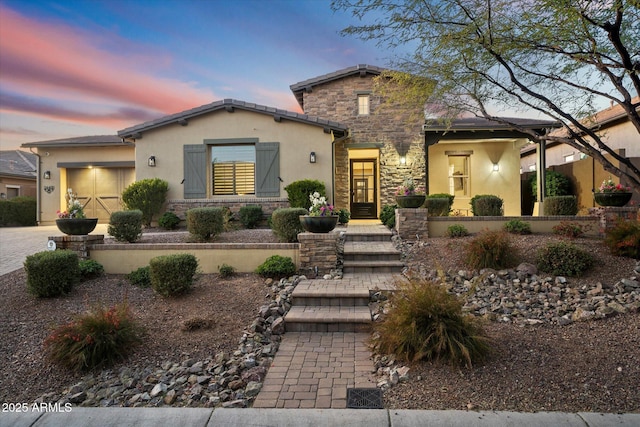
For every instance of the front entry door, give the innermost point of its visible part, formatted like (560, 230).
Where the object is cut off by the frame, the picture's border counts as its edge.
(363, 189)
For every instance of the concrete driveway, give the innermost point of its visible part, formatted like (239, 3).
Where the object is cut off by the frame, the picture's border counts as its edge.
(16, 243)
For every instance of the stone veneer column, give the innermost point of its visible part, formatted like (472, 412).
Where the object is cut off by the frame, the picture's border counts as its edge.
(610, 214)
(318, 250)
(412, 224)
(78, 244)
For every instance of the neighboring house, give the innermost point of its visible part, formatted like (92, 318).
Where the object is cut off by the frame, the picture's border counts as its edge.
(586, 174)
(17, 174)
(96, 168)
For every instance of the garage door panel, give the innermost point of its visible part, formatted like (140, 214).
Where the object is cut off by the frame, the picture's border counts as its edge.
(99, 189)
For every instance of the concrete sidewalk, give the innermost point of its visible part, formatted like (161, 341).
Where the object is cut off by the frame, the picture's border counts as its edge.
(195, 417)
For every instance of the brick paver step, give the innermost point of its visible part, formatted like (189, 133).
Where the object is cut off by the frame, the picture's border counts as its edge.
(359, 267)
(329, 293)
(328, 319)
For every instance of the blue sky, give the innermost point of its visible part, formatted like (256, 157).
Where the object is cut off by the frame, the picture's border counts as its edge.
(75, 68)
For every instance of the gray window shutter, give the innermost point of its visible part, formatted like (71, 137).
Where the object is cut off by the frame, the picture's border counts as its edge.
(195, 171)
(268, 169)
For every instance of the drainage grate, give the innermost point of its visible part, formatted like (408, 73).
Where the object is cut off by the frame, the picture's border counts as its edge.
(364, 398)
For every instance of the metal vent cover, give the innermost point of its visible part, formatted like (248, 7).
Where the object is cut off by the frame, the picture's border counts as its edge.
(364, 398)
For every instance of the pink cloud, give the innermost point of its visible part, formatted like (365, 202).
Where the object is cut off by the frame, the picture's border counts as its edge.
(47, 60)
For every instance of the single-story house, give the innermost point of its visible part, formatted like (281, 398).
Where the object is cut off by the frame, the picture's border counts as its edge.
(17, 174)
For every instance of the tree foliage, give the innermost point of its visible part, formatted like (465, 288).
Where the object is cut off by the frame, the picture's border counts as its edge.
(562, 59)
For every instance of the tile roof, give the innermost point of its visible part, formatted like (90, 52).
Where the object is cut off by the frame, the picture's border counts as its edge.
(95, 141)
(230, 105)
(18, 163)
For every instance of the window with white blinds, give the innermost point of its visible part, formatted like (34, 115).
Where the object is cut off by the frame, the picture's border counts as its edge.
(233, 169)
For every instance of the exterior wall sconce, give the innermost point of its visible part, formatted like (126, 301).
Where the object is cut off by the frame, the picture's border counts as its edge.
(152, 161)
(312, 157)
(495, 167)
(46, 175)
(403, 160)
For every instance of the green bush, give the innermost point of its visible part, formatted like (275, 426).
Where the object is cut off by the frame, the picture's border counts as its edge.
(425, 322)
(226, 270)
(568, 229)
(516, 226)
(19, 211)
(388, 215)
(490, 249)
(172, 274)
(125, 226)
(140, 277)
(486, 205)
(276, 266)
(624, 239)
(205, 223)
(563, 259)
(90, 269)
(344, 216)
(556, 184)
(251, 215)
(437, 206)
(286, 225)
(94, 340)
(147, 195)
(298, 192)
(561, 205)
(169, 221)
(52, 273)
(457, 230)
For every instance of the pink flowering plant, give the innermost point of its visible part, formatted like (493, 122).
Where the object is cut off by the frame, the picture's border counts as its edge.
(408, 188)
(319, 205)
(608, 186)
(74, 206)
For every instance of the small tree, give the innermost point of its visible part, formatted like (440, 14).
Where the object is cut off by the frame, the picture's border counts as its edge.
(148, 196)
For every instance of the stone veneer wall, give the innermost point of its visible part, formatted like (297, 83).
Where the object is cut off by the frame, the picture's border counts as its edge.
(390, 126)
(78, 244)
(607, 216)
(318, 250)
(412, 224)
(269, 204)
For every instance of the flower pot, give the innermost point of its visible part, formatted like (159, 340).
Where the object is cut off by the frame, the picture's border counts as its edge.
(414, 201)
(76, 226)
(318, 224)
(612, 199)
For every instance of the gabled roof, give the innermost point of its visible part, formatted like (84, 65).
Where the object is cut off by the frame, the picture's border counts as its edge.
(307, 85)
(85, 141)
(18, 163)
(477, 124)
(230, 105)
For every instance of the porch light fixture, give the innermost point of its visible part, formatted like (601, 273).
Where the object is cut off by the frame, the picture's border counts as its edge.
(496, 167)
(46, 175)
(403, 160)
(152, 161)
(312, 157)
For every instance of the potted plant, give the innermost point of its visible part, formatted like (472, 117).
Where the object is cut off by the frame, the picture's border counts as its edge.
(321, 218)
(407, 196)
(74, 222)
(611, 194)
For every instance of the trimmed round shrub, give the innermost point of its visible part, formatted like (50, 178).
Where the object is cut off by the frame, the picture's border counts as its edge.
(285, 223)
(52, 273)
(486, 205)
(276, 266)
(624, 239)
(147, 195)
(457, 230)
(250, 215)
(205, 223)
(516, 226)
(169, 221)
(90, 269)
(125, 226)
(425, 322)
(172, 274)
(388, 215)
(298, 192)
(561, 205)
(437, 206)
(344, 216)
(490, 249)
(563, 259)
(140, 277)
(226, 270)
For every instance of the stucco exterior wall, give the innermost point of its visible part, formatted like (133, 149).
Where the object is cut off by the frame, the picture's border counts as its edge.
(504, 183)
(296, 140)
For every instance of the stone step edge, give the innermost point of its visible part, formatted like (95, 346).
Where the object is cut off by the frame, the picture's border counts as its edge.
(329, 315)
(349, 263)
(328, 293)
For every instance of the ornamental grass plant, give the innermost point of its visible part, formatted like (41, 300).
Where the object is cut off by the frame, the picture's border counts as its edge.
(490, 249)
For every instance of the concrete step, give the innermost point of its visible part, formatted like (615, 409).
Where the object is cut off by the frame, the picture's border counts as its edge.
(372, 267)
(329, 293)
(328, 319)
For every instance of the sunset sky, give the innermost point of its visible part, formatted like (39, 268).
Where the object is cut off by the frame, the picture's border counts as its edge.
(86, 67)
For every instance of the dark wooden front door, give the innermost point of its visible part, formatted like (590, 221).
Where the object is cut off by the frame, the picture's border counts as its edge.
(364, 192)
